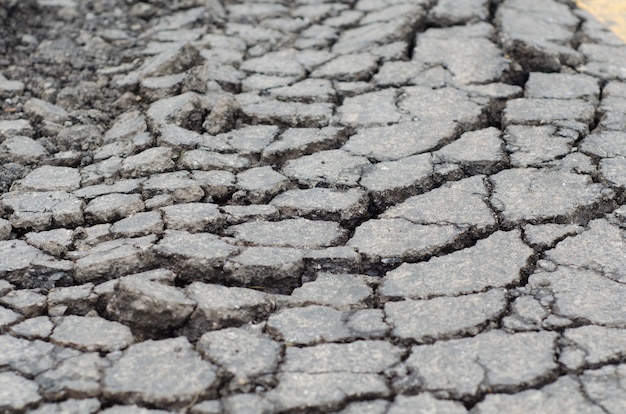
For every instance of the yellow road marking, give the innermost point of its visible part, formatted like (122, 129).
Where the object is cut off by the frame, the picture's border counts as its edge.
(611, 13)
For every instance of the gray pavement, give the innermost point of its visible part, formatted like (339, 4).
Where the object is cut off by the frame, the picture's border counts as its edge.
(351, 206)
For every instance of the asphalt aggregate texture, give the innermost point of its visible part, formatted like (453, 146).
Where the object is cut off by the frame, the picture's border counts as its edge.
(348, 206)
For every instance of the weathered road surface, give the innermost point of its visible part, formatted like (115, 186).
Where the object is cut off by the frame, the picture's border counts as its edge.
(372, 206)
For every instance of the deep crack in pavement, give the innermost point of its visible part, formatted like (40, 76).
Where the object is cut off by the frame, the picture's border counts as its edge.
(355, 206)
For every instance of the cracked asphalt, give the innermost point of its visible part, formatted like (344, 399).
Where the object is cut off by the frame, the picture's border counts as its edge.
(348, 206)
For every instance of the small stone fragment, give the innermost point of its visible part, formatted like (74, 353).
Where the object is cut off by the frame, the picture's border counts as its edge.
(355, 357)
(465, 51)
(532, 145)
(28, 302)
(111, 207)
(16, 127)
(545, 235)
(33, 328)
(119, 186)
(389, 181)
(186, 110)
(600, 248)
(497, 262)
(222, 117)
(45, 111)
(247, 140)
(562, 395)
(397, 141)
(215, 406)
(27, 357)
(562, 86)
(179, 185)
(48, 178)
(370, 109)
(613, 170)
(16, 392)
(462, 203)
(272, 267)
(296, 142)
(244, 354)
(333, 167)
(16, 257)
(77, 300)
(397, 73)
(175, 59)
(137, 225)
(529, 310)
(298, 391)
(537, 195)
(193, 217)
(354, 67)
(397, 239)
(306, 91)
(445, 13)
(91, 334)
(23, 150)
(466, 366)
(136, 376)
(76, 375)
(583, 294)
(115, 258)
(545, 35)
(289, 233)
(257, 82)
(153, 160)
(603, 60)
(242, 214)
(309, 325)
(179, 138)
(55, 242)
(366, 407)
(208, 160)
(238, 403)
(10, 88)
(276, 63)
(545, 111)
(220, 307)
(194, 255)
(8, 317)
(369, 323)
(341, 291)
(322, 203)
(369, 36)
(259, 184)
(5, 229)
(424, 403)
(71, 406)
(599, 344)
(293, 114)
(605, 144)
(437, 105)
(159, 87)
(443, 317)
(476, 151)
(605, 386)
(149, 306)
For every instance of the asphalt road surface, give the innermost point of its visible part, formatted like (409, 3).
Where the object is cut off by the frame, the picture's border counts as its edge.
(368, 206)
